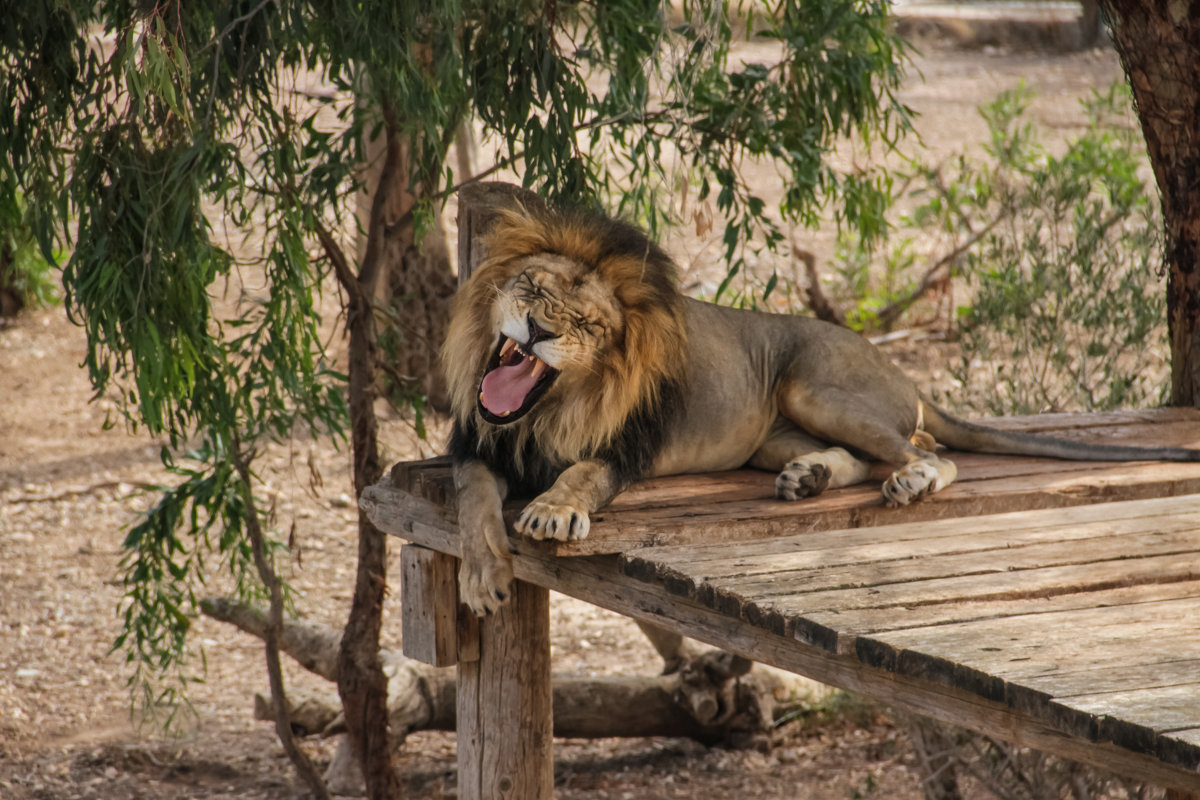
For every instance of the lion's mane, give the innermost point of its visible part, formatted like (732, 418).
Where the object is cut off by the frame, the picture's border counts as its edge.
(620, 410)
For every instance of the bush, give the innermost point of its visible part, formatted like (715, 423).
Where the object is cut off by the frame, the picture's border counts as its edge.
(1067, 311)
(1059, 255)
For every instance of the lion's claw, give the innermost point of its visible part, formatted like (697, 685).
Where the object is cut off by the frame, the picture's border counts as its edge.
(563, 523)
(800, 479)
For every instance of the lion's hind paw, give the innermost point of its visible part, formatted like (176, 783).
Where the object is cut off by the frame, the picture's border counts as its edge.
(911, 482)
(800, 479)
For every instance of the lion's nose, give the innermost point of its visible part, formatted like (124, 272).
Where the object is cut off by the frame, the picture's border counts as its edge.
(537, 333)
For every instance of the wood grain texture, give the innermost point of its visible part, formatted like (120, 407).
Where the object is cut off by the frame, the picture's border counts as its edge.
(505, 719)
(1061, 731)
(740, 506)
(429, 605)
(1069, 621)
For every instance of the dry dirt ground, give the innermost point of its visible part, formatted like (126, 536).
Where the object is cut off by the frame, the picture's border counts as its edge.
(69, 488)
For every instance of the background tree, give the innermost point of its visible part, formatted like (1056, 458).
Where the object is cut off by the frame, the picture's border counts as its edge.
(1159, 45)
(146, 137)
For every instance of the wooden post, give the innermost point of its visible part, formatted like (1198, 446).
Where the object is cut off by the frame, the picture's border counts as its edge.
(505, 714)
(429, 605)
(505, 718)
(477, 207)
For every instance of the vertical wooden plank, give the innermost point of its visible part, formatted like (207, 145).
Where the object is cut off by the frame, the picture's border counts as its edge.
(477, 207)
(429, 605)
(505, 719)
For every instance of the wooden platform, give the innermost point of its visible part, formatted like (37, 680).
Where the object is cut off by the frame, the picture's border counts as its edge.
(1053, 604)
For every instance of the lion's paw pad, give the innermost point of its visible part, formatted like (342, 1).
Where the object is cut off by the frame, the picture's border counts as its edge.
(800, 479)
(562, 523)
(910, 483)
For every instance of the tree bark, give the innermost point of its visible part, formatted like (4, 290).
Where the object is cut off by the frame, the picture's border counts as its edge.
(1159, 45)
(362, 684)
(10, 298)
(417, 284)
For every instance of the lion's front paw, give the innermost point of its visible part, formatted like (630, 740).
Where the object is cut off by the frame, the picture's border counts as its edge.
(909, 483)
(484, 583)
(558, 521)
(800, 479)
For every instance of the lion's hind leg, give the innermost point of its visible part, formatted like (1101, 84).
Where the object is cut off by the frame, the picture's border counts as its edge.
(806, 466)
(881, 424)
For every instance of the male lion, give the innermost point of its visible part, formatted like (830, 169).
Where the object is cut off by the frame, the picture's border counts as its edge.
(576, 367)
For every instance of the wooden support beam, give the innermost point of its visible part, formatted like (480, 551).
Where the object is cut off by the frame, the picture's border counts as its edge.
(505, 715)
(429, 605)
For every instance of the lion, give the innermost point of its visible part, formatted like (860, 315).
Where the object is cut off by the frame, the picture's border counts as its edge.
(576, 366)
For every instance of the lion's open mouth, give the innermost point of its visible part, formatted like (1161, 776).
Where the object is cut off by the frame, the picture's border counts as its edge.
(513, 382)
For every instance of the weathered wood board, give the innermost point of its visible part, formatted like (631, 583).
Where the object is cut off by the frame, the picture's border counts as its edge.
(740, 505)
(1053, 604)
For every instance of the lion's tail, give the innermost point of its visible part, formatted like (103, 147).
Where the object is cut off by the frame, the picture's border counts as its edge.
(959, 434)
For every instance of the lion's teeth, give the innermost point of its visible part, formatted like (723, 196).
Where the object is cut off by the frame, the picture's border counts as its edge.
(539, 368)
(508, 348)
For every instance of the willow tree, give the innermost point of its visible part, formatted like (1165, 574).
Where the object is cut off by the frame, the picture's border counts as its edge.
(146, 136)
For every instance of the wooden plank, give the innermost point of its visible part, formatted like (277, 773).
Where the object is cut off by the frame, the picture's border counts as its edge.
(1037, 642)
(598, 580)
(739, 505)
(429, 605)
(1133, 675)
(1060, 424)
(934, 547)
(1021, 556)
(794, 615)
(1155, 511)
(505, 719)
(726, 495)
(1136, 718)
(850, 624)
(860, 506)
(995, 658)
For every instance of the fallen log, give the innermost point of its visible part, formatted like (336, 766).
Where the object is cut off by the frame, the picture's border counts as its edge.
(706, 695)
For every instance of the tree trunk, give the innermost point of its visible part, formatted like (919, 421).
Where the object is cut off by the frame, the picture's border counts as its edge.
(417, 284)
(362, 684)
(10, 297)
(1159, 45)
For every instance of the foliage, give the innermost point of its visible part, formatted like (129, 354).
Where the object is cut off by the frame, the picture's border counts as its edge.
(1067, 312)
(1057, 254)
(172, 149)
(23, 270)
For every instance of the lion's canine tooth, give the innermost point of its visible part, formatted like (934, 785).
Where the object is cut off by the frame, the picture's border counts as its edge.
(539, 368)
(508, 348)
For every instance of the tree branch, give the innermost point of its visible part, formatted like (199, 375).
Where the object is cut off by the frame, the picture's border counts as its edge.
(892, 311)
(266, 571)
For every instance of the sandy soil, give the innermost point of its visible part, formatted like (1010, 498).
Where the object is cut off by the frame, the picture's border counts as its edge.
(68, 488)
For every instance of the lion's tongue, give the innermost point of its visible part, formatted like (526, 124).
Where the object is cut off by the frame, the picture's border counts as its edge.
(504, 389)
